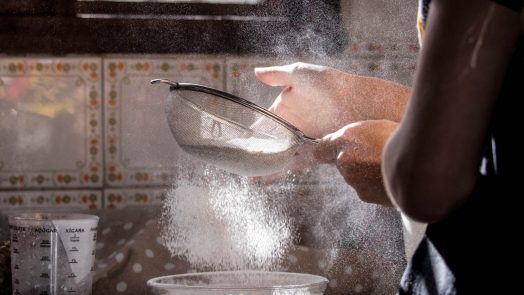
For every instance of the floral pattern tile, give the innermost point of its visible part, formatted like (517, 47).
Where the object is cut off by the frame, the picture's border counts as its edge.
(377, 48)
(50, 123)
(50, 199)
(139, 148)
(400, 70)
(397, 69)
(121, 198)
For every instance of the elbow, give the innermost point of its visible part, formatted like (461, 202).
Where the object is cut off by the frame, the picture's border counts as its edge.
(425, 192)
(426, 199)
(426, 205)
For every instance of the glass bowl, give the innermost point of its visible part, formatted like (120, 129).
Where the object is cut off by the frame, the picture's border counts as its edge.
(237, 283)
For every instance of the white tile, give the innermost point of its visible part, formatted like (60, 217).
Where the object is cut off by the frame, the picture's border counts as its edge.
(140, 149)
(121, 198)
(56, 200)
(50, 122)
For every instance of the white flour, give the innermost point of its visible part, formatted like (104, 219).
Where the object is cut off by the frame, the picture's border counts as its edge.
(259, 145)
(216, 221)
(223, 223)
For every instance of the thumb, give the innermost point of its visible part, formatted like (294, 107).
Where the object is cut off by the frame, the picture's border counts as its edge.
(332, 144)
(275, 76)
(326, 152)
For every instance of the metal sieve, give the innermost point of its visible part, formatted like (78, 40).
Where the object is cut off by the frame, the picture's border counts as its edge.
(228, 131)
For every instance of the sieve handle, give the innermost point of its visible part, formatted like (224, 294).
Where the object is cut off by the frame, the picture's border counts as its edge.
(174, 85)
(310, 139)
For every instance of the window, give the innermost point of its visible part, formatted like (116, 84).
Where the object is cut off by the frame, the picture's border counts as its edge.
(170, 26)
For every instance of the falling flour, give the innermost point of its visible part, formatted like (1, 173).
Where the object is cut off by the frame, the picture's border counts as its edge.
(217, 221)
(224, 223)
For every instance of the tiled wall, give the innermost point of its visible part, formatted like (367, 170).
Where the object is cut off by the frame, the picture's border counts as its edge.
(87, 132)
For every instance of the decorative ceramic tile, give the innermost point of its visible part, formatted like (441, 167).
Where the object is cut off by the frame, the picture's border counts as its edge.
(241, 79)
(390, 68)
(57, 200)
(140, 149)
(390, 48)
(50, 122)
(121, 198)
(400, 70)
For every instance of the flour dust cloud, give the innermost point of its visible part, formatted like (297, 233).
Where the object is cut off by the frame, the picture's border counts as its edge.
(221, 221)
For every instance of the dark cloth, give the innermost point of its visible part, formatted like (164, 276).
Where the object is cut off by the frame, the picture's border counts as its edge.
(511, 4)
(472, 250)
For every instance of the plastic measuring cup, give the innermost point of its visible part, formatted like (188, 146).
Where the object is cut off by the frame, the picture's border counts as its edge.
(237, 283)
(52, 253)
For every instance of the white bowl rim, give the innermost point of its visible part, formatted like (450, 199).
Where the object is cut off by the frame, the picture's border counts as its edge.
(318, 281)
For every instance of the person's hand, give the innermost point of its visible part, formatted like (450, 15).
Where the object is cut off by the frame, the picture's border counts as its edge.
(313, 99)
(356, 150)
(302, 161)
(320, 100)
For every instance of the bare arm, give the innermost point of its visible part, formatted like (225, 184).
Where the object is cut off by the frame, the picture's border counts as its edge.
(320, 100)
(384, 100)
(324, 102)
(431, 162)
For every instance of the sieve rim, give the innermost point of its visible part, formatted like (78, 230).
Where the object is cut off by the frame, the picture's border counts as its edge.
(319, 281)
(235, 99)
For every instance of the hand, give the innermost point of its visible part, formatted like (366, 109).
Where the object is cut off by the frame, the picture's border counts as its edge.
(302, 161)
(319, 100)
(312, 96)
(356, 150)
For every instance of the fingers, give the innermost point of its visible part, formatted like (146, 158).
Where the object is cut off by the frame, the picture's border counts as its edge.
(278, 101)
(275, 76)
(327, 150)
(304, 158)
(332, 145)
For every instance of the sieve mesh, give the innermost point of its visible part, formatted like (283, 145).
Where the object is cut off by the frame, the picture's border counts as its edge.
(229, 132)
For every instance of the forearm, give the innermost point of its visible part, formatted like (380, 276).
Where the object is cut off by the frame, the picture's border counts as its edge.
(385, 100)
